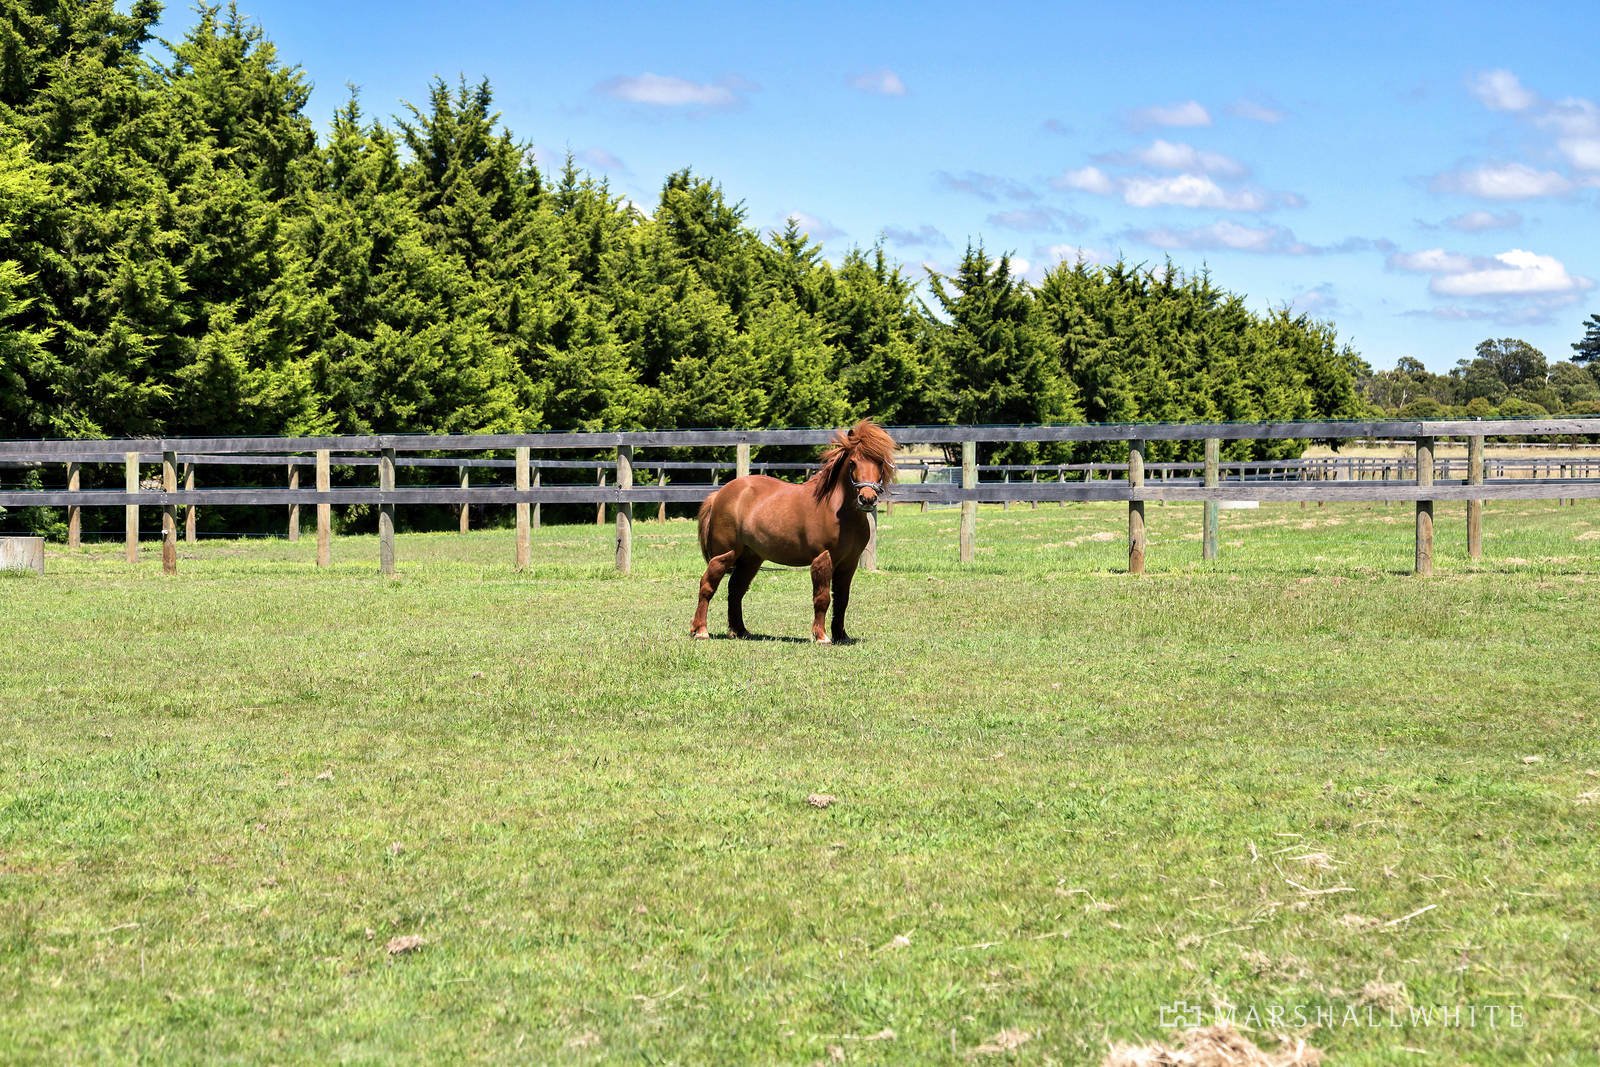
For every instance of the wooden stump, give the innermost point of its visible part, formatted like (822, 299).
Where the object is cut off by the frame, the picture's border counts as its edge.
(22, 554)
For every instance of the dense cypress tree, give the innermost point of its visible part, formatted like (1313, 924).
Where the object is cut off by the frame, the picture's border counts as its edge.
(994, 361)
(102, 295)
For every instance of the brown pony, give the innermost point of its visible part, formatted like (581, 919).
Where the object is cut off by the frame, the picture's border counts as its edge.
(821, 524)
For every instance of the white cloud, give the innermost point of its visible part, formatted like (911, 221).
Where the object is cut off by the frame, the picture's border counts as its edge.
(924, 236)
(658, 90)
(1189, 190)
(1249, 109)
(1431, 261)
(813, 227)
(1188, 113)
(1171, 155)
(1478, 221)
(1074, 253)
(882, 82)
(984, 186)
(600, 158)
(1020, 267)
(1506, 181)
(1513, 273)
(1038, 218)
(1499, 90)
(1086, 179)
(1224, 234)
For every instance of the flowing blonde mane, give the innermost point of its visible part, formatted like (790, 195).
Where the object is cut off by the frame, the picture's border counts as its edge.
(865, 439)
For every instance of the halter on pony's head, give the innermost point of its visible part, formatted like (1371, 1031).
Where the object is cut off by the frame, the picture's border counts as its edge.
(865, 440)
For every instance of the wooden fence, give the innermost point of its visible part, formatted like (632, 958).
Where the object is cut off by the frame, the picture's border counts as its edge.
(1422, 478)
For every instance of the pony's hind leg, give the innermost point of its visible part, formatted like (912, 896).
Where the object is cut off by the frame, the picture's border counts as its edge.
(821, 579)
(744, 572)
(716, 567)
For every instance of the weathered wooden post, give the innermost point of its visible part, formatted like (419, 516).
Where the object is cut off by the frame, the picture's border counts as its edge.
(324, 510)
(922, 479)
(524, 549)
(386, 513)
(1212, 507)
(464, 473)
(1424, 566)
(1033, 505)
(536, 510)
(1475, 504)
(1136, 531)
(600, 510)
(169, 513)
(869, 555)
(189, 510)
(1005, 504)
(22, 554)
(969, 507)
(661, 508)
(625, 509)
(130, 512)
(741, 461)
(74, 512)
(294, 505)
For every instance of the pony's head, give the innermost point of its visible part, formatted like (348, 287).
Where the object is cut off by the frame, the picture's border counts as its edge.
(863, 457)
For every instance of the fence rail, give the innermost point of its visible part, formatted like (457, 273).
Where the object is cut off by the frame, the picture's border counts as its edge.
(1421, 478)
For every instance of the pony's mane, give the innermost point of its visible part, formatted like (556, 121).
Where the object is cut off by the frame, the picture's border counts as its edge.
(865, 439)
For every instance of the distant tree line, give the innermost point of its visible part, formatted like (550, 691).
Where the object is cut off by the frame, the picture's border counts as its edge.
(1505, 378)
(180, 253)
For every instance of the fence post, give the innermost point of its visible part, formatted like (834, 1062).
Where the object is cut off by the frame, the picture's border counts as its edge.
(294, 506)
(130, 512)
(869, 555)
(1136, 531)
(74, 512)
(600, 511)
(386, 514)
(524, 550)
(169, 514)
(1033, 505)
(969, 508)
(1475, 504)
(189, 510)
(466, 483)
(922, 479)
(741, 462)
(1005, 505)
(1424, 565)
(661, 480)
(1212, 508)
(625, 510)
(536, 504)
(324, 511)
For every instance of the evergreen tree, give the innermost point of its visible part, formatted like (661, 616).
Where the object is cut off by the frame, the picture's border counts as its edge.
(880, 339)
(994, 359)
(101, 295)
(1588, 349)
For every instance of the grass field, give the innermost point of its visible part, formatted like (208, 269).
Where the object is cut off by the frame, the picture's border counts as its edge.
(1069, 804)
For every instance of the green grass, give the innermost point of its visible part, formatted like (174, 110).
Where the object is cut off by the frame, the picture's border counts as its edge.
(1078, 796)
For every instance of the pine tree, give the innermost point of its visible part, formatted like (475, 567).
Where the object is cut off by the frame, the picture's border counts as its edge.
(1588, 349)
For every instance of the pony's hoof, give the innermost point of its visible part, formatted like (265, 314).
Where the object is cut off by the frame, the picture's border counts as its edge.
(823, 640)
(700, 635)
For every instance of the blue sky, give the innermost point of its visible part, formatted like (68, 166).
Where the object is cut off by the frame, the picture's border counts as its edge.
(1423, 175)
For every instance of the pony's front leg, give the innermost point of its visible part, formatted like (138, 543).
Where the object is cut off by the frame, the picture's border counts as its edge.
(821, 579)
(716, 567)
(841, 601)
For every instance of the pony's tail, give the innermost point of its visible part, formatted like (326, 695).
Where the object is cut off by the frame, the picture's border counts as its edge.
(705, 525)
